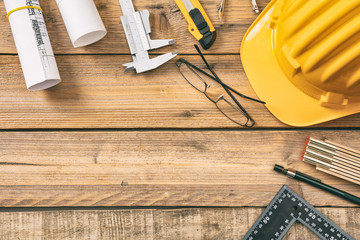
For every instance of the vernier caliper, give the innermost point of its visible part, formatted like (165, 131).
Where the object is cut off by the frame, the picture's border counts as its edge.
(137, 30)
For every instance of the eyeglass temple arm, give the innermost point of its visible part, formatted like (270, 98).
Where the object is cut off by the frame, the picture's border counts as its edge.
(226, 89)
(218, 79)
(249, 119)
(224, 85)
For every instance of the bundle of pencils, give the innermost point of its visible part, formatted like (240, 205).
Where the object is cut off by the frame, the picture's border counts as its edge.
(334, 159)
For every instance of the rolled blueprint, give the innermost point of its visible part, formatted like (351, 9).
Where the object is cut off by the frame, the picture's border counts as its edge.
(33, 44)
(82, 21)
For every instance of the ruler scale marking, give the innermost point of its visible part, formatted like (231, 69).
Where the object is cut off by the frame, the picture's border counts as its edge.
(137, 29)
(284, 210)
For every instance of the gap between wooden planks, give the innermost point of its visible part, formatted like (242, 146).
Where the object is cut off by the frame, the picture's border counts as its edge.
(96, 93)
(166, 22)
(159, 168)
(193, 223)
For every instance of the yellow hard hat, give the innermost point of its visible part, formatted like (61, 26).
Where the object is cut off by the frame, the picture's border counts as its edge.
(302, 57)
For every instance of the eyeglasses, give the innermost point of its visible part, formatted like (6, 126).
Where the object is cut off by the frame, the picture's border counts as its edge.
(226, 102)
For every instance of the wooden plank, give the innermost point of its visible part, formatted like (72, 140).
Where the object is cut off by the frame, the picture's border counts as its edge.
(159, 168)
(96, 93)
(166, 22)
(194, 223)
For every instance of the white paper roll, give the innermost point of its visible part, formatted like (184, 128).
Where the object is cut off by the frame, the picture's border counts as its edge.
(82, 21)
(33, 45)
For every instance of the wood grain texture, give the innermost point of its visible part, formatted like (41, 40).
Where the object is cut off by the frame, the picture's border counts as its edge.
(96, 93)
(194, 223)
(159, 168)
(166, 22)
(134, 167)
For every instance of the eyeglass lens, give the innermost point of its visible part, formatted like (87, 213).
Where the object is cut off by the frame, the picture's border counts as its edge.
(193, 78)
(232, 112)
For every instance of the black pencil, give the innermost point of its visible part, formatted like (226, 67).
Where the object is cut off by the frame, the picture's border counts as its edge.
(316, 182)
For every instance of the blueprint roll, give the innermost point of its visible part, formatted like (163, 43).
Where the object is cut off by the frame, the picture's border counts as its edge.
(82, 21)
(32, 43)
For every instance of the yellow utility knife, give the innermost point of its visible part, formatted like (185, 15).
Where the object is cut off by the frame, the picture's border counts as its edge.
(200, 25)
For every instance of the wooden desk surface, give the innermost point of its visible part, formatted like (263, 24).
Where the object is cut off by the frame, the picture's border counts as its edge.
(146, 156)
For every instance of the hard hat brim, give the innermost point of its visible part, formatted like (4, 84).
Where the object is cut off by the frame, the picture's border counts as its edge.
(286, 102)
